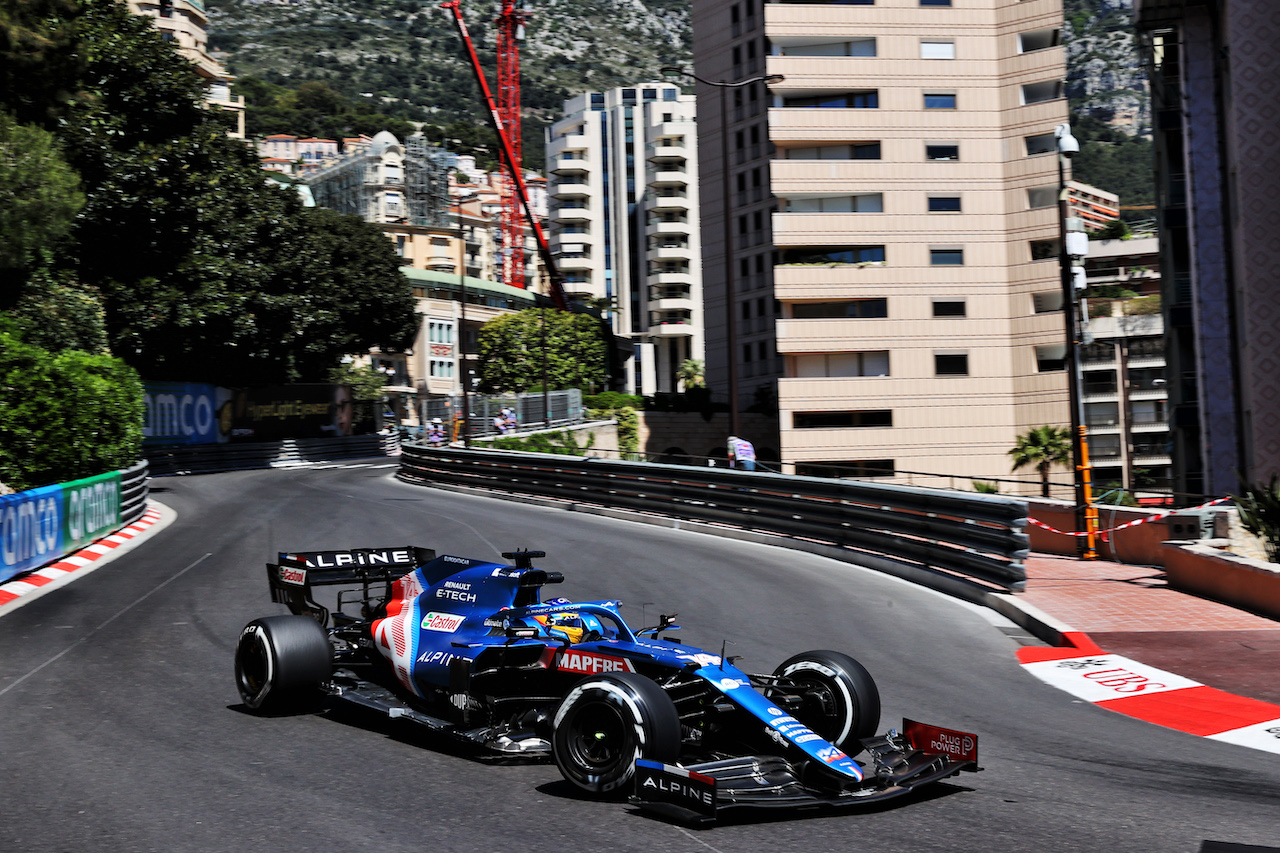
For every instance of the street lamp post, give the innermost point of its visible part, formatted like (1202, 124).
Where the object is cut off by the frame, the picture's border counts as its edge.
(731, 317)
(1073, 244)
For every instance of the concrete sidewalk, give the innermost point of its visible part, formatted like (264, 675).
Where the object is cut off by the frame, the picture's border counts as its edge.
(1131, 611)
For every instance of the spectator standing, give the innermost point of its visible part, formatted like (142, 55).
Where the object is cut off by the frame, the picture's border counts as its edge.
(741, 454)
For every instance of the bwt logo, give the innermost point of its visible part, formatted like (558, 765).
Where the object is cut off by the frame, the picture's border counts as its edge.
(170, 415)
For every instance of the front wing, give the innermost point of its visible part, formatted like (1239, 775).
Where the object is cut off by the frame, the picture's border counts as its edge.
(898, 764)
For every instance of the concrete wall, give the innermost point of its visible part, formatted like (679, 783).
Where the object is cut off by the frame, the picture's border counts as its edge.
(1205, 570)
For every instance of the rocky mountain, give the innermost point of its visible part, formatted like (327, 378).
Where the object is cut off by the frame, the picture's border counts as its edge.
(1105, 77)
(409, 53)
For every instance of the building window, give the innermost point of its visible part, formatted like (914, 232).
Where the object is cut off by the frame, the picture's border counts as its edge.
(867, 100)
(810, 255)
(856, 151)
(1053, 358)
(1044, 250)
(863, 309)
(840, 364)
(939, 100)
(1047, 301)
(948, 308)
(859, 468)
(842, 420)
(1042, 143)
(861, 203)
(854, 47)
(1038, 197)
(944, 204)
(1035, 93)
(935, 2)
(951, 364)
(946, 257)
(942, 151)
(938, 49)
(1038, 39)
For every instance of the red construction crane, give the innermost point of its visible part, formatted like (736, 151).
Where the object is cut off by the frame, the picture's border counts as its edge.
(505, 119)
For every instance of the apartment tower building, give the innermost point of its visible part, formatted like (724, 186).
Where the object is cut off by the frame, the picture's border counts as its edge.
(889, 251)
(624, 221)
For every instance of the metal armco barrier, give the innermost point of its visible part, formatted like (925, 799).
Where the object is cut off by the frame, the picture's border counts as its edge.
(974, 535)
(44, 524)
(209, 458)
(134, 492)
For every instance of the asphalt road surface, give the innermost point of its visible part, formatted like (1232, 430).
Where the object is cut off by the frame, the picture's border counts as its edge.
(121, 728)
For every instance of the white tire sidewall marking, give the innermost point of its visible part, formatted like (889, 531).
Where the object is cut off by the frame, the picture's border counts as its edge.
(849, 703)
(620, 696)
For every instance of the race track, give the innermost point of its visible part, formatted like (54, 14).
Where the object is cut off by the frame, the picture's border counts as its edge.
(122, 728)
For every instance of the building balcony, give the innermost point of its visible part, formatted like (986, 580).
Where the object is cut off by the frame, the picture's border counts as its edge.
(673, 303)
(669, 253)
(570, 166)
(570, 189)
(673, 201)
(671, 279)
(668, 151)
(673, 329)
(561, 144)
(664, 227)
(571, 213)
(575, 261)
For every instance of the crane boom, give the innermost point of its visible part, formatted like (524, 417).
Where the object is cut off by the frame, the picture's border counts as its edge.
(509, 158)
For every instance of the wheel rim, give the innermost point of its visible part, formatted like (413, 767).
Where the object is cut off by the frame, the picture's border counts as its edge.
(253, 668)
(823, 708)
(599, 738)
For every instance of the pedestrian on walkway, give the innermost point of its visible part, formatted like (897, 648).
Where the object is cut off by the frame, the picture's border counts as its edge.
(741, 454)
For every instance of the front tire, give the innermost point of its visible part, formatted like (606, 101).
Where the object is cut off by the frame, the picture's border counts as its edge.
(280, 662)
(840, 699)
(608, 721)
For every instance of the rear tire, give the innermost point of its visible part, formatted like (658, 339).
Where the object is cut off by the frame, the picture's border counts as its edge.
(280, 662)
(841, 700)
(608, 721)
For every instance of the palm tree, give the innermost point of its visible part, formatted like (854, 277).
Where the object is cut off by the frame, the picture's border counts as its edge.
(1042, 447)
(692, 372)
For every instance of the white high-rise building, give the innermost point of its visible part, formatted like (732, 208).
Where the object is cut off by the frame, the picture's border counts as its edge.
(624, 221)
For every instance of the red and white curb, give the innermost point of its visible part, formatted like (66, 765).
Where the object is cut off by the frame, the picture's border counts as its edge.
(1128, 687)
(60, 572)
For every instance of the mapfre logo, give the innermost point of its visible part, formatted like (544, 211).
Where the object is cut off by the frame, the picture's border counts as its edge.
(294, 576)
(590, 664)
(446, 622)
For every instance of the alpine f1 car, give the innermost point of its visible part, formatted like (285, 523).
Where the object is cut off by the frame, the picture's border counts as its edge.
(470, 649)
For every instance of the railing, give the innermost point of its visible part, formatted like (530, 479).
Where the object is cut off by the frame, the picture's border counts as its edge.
(979, 537)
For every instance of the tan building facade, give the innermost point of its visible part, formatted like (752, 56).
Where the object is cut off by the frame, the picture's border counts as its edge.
(185, 24)
(885, 275)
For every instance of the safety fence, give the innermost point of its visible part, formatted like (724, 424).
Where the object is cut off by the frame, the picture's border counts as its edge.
(979, 537)
(41, 525)
(290, 452)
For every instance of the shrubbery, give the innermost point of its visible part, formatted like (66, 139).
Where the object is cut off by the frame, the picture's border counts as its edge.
(612, 400)
(65, 415)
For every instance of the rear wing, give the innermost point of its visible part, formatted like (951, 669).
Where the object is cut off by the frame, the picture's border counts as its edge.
(294, 574)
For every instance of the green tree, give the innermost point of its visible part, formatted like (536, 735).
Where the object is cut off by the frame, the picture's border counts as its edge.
(206, 271)
(56, 313)
(39, 198)
(64, 415)
(1041, 448)
(511, 351)
(692, 373)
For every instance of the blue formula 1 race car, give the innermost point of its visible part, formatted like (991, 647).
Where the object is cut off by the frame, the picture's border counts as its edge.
(470, 649)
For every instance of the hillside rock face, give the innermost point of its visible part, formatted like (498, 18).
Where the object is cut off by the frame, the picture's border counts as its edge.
(1105, 76)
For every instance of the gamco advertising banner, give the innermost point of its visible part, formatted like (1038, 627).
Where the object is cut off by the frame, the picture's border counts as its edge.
(40, 525)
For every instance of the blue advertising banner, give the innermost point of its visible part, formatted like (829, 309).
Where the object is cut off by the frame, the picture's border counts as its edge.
(185, 413)
(40, 525)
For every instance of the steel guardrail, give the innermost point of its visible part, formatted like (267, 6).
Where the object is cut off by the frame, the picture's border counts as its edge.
(212, 458)
(978, 536)
(134, 492)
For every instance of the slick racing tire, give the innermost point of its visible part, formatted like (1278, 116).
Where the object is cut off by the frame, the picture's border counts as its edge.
(280, 662)
(608, 721)
(840, 700)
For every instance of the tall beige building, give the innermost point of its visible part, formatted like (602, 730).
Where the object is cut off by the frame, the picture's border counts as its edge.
(891, 243)
(185, 23)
